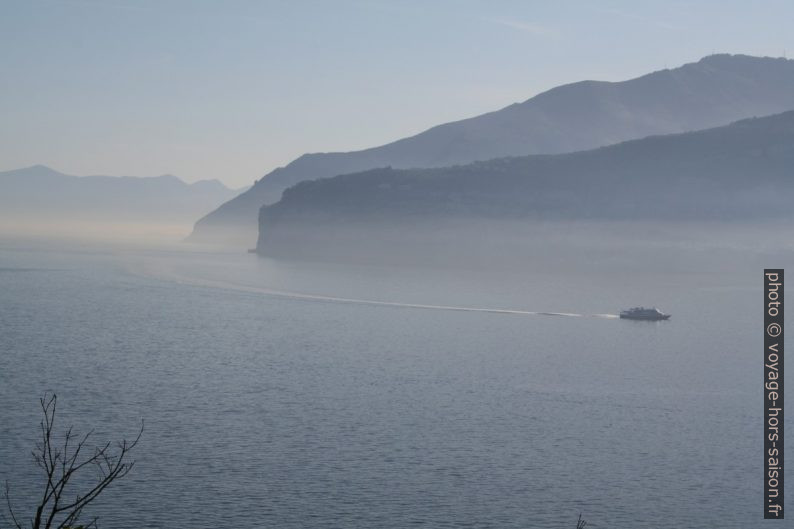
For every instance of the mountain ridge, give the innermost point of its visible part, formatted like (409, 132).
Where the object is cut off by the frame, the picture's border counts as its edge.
(41, 170)
(41, 197)
(713, 91)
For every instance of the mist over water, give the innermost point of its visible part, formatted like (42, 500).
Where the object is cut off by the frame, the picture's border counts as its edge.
(70, 231)
(283, 393)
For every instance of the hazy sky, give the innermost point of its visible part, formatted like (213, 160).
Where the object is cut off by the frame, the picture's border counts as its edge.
(230, 89)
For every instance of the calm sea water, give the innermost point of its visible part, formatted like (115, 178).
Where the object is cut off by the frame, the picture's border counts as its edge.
(279, 409)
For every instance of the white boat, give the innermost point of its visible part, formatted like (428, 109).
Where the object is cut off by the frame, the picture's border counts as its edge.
(641, 313)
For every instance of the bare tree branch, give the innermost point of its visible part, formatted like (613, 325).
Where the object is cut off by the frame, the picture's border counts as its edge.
(62, 462)
(17, 525)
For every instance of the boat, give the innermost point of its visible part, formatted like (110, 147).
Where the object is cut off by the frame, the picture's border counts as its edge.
(641, 313)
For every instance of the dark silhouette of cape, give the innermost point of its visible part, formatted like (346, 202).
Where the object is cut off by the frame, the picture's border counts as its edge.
(739, 172)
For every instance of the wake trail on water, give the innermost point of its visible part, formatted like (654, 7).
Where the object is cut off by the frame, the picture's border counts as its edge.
(173, 276)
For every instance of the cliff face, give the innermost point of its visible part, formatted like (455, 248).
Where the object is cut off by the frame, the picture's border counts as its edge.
(715, 91)
(738, 172)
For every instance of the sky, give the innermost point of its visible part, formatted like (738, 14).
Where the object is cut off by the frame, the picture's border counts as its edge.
(231, 89)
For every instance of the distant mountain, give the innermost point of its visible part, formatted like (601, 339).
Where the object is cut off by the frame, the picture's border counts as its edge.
(740, 172)
(714, 91)
(39, 195)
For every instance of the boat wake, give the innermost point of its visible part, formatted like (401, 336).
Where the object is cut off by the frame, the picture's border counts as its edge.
(176, 277)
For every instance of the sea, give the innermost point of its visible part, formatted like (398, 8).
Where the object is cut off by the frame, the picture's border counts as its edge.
(301, 394)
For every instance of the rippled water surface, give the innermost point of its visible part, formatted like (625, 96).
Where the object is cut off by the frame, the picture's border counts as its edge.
(278, 394)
